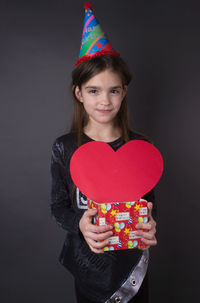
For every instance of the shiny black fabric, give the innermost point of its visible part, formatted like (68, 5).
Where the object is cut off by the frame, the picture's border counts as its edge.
(98, 275)
(141, 297)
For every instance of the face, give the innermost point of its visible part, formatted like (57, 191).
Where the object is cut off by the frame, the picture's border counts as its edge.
(102, 96)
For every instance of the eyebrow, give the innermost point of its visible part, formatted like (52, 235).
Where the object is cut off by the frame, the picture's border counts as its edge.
(98, 87)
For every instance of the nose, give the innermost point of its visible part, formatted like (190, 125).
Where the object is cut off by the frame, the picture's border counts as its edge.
(105, 100)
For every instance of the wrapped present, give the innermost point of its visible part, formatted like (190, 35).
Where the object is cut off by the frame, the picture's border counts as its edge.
(123, 216)
(125, 175)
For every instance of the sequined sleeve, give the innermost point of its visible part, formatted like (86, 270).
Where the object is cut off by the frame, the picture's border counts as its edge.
(61, 205)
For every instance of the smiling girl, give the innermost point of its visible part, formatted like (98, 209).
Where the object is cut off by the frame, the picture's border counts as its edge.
(99, 87)
(101, 97)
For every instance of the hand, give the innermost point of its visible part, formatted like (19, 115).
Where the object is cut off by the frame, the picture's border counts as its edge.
(148, 237)
(93, 233)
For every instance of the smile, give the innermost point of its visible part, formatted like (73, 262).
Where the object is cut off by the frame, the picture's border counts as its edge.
(103, 111)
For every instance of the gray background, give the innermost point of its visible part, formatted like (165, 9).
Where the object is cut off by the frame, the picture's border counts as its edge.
(40, 43)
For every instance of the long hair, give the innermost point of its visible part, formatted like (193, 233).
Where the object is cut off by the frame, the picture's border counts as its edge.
(84, 72)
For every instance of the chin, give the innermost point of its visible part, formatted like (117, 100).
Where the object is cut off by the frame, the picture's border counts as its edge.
(104, 120)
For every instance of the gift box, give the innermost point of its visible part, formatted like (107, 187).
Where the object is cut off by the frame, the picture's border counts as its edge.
(123, 216)
(125, 175)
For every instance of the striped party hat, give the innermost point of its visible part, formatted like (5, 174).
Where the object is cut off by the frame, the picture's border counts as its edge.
(94, 42)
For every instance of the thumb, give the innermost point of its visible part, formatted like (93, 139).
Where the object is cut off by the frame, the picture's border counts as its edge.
(150, 206)
(91, 212)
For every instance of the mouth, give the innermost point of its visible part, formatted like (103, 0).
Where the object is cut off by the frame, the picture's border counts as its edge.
(104, 111)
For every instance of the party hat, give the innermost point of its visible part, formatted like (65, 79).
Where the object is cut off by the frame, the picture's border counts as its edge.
(94, 42)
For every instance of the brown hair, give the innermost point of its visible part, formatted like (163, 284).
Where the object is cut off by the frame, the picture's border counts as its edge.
(85, 71)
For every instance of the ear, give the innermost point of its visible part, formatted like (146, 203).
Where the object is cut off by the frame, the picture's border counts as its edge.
(78, 94)
(125, 89)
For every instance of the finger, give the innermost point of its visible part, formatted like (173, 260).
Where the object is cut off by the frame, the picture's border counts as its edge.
(99, 229)
(95, 250)
(100, 236)
(90, 213)
(104, 236)
(97, 245)
(146, 235)
(140, 232)
(144, 248)
(148, 226)
(149, 242)
(150, 207)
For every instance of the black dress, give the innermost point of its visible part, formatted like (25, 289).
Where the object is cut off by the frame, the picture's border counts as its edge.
(97, 276)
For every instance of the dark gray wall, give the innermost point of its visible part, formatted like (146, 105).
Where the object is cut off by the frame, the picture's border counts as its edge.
(40, 43)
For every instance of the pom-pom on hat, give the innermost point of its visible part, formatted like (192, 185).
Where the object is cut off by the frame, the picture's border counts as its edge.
(94, 42)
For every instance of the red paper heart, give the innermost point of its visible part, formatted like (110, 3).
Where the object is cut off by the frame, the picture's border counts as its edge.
(104, 175)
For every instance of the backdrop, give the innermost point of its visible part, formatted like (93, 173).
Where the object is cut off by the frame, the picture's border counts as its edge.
(40, 43)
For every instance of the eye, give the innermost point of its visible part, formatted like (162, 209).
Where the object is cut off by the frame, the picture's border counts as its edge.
(92, 91)
(115, 91)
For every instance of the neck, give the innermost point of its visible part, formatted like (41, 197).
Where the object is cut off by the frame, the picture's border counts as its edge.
(102, 132)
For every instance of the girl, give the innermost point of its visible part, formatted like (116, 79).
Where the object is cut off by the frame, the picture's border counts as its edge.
(99, 87)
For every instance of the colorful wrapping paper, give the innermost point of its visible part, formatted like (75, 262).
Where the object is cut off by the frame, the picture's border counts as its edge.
(123, 216)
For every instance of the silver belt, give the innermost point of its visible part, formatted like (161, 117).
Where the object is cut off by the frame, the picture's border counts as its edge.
(131, 286)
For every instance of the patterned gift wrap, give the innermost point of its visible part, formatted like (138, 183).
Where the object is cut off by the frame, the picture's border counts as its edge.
(123, 216)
